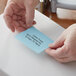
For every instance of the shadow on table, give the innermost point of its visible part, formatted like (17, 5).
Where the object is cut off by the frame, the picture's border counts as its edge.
(2, 73)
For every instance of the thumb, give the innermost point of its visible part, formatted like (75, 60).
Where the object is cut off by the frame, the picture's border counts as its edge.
(58, 43)
(58, 53)
(29, 16)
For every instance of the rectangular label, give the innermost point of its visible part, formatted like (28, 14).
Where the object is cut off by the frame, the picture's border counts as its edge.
(34, 39)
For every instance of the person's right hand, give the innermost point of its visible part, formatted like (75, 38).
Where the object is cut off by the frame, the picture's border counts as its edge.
(64, 48)
(19, 14)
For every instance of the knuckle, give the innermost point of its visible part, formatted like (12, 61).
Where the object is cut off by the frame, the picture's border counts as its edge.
(55, 55)
(60, 54)
(66, 50)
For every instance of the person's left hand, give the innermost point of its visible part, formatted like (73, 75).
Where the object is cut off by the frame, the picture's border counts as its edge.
(64, 48)
(19, 14)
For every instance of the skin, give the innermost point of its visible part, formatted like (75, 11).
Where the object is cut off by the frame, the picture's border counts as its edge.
(19, 15)
(64, 48)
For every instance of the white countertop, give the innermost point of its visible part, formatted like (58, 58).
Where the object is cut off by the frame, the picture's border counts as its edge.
(17, 60)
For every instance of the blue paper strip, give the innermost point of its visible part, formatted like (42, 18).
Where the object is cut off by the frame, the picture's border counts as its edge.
(34, 39)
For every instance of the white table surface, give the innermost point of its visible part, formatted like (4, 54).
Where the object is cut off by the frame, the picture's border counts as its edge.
(17, 60)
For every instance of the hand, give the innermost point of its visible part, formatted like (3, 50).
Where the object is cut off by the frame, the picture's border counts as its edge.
(64, 48)
(19, 14)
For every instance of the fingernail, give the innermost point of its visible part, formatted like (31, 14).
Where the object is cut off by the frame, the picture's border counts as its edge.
(12, 29)
(34, 22)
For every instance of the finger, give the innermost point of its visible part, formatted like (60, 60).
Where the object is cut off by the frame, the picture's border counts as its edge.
(34, 22)
(21, 29)
(29, 16)
(16, 24)
(58, 43)
(19, 23)
(8, 10)
(18, 27)
(7, 16)
(60, 58)
(9, 23)
(57, 53)
(65, 60)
